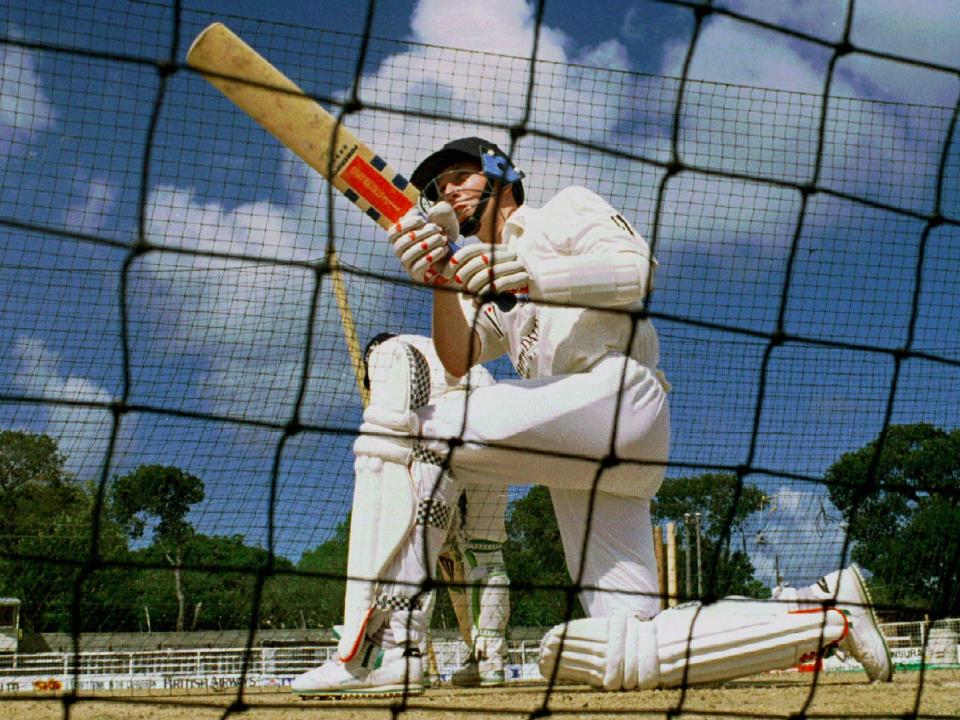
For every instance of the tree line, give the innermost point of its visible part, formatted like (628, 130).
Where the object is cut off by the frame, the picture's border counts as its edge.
(127, 558)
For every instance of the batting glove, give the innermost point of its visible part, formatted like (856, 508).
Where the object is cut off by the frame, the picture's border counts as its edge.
(484, 269)
(421, 243)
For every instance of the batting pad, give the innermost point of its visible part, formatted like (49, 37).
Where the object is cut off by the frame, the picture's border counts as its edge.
(384, 511)
(687, 645)
(384, 497)
(489, 598)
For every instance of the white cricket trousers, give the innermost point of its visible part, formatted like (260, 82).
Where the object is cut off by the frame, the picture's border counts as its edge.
(557, 432)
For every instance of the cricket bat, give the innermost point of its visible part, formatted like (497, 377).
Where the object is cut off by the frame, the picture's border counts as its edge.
(302, 124)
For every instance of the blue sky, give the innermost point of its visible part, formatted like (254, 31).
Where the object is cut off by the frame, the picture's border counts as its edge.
(226, 338)
(643, 27)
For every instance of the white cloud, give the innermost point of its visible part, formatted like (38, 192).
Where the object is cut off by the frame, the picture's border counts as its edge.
(767, 134)
(871, 78)
(240, 327)
(248, 319)
(770, 128)
(733, 52)
(90, 215)
(632, 28)
(241, 324)
(925, 31)
(724, 217)
(477, 89)
(922, 31)
(798, 532)
(504, 27)
(25, 107)
(820, 18)
(82, 433)
(610, 54)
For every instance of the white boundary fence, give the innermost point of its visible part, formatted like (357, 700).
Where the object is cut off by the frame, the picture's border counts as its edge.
(908, 639)
(221, 668)
(209, 668)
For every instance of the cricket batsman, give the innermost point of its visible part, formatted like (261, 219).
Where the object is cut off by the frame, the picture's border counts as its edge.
(589, 418)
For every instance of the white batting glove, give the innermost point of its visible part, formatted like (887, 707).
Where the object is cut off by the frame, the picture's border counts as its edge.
(484, 269)
(421, 243)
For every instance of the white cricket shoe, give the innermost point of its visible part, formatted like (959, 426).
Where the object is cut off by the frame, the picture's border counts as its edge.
(483, 673)
(865, 642)
(386, 673)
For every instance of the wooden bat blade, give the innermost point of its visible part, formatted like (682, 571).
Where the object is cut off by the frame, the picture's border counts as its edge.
(299, 122)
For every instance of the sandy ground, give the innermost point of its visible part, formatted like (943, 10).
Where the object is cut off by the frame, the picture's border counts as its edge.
(935, 694)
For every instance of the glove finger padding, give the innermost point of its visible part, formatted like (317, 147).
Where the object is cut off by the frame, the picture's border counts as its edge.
(483, 268)
(508, 277)
(420, 246)
(419, 249)
(414, 219)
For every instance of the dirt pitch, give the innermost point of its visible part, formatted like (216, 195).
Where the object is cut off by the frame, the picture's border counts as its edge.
(836, 695)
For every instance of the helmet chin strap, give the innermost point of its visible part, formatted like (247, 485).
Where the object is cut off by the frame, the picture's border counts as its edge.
(471, 226)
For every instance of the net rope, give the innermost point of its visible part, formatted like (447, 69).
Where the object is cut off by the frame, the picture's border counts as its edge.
(155, 309)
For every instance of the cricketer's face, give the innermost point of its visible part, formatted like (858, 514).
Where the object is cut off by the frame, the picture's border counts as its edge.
(462, 185)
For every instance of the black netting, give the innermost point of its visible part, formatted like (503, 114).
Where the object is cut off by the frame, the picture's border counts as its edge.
(168, 300)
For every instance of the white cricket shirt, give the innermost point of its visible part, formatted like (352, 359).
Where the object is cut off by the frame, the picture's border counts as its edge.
(543, 340)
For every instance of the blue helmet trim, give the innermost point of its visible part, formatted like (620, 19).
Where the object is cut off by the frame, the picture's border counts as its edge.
(497, 166)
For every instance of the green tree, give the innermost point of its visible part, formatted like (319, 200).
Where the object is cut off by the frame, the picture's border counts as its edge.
(902, 508)
(724, 512)
(321, 598)
(28, 459)
(540, 584)
(219, 574)
(162, 495)
(46, 534)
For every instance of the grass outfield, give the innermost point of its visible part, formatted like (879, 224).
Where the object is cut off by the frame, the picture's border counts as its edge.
(767, 696)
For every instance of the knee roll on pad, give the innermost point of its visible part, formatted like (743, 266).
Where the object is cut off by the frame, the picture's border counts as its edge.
(690, 645)
(615, 653)
(399, 379)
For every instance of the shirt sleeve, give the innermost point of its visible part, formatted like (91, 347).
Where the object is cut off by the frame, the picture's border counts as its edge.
(601, 260)
(593, 225)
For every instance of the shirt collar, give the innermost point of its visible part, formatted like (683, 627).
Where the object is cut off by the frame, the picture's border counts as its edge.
(516, 223)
